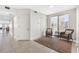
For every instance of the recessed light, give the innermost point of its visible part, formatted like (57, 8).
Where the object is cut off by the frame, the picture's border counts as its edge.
(51, 6)
(7, 12)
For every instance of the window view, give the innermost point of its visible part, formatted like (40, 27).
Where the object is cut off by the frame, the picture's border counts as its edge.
(66, 21)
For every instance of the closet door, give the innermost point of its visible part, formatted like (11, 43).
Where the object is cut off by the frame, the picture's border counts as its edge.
(21, 24)
(35, 26)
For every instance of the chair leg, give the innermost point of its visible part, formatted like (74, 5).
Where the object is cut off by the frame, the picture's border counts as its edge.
(60, 38)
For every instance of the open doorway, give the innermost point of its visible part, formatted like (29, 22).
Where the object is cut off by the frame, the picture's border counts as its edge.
(6, 26)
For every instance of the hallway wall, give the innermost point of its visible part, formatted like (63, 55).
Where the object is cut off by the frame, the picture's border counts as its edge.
(77, 25)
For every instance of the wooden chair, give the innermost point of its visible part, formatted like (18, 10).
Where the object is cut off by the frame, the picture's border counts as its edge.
(67, 34)
(49, 32)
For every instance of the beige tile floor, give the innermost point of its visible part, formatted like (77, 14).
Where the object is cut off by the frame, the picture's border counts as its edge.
(8, 45)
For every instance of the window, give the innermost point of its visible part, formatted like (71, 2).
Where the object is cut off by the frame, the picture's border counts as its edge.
(66, 21)
(59, 23)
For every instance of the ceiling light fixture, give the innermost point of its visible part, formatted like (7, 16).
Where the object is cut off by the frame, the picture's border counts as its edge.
(51, 6)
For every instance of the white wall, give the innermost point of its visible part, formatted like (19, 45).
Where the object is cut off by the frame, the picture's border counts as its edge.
(21, 24)
(77, 25)
(10, 27)
(72, 22)
(37, 25)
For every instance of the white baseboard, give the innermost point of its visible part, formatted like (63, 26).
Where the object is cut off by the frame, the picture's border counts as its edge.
(20, 39)
(35, 38)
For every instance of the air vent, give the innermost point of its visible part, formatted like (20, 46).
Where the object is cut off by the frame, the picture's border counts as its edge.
(6, 7)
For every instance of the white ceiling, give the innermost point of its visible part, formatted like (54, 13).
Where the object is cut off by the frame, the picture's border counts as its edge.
(45, 9)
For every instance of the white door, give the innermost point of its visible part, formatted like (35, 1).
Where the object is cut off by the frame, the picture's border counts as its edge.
(21, 27)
